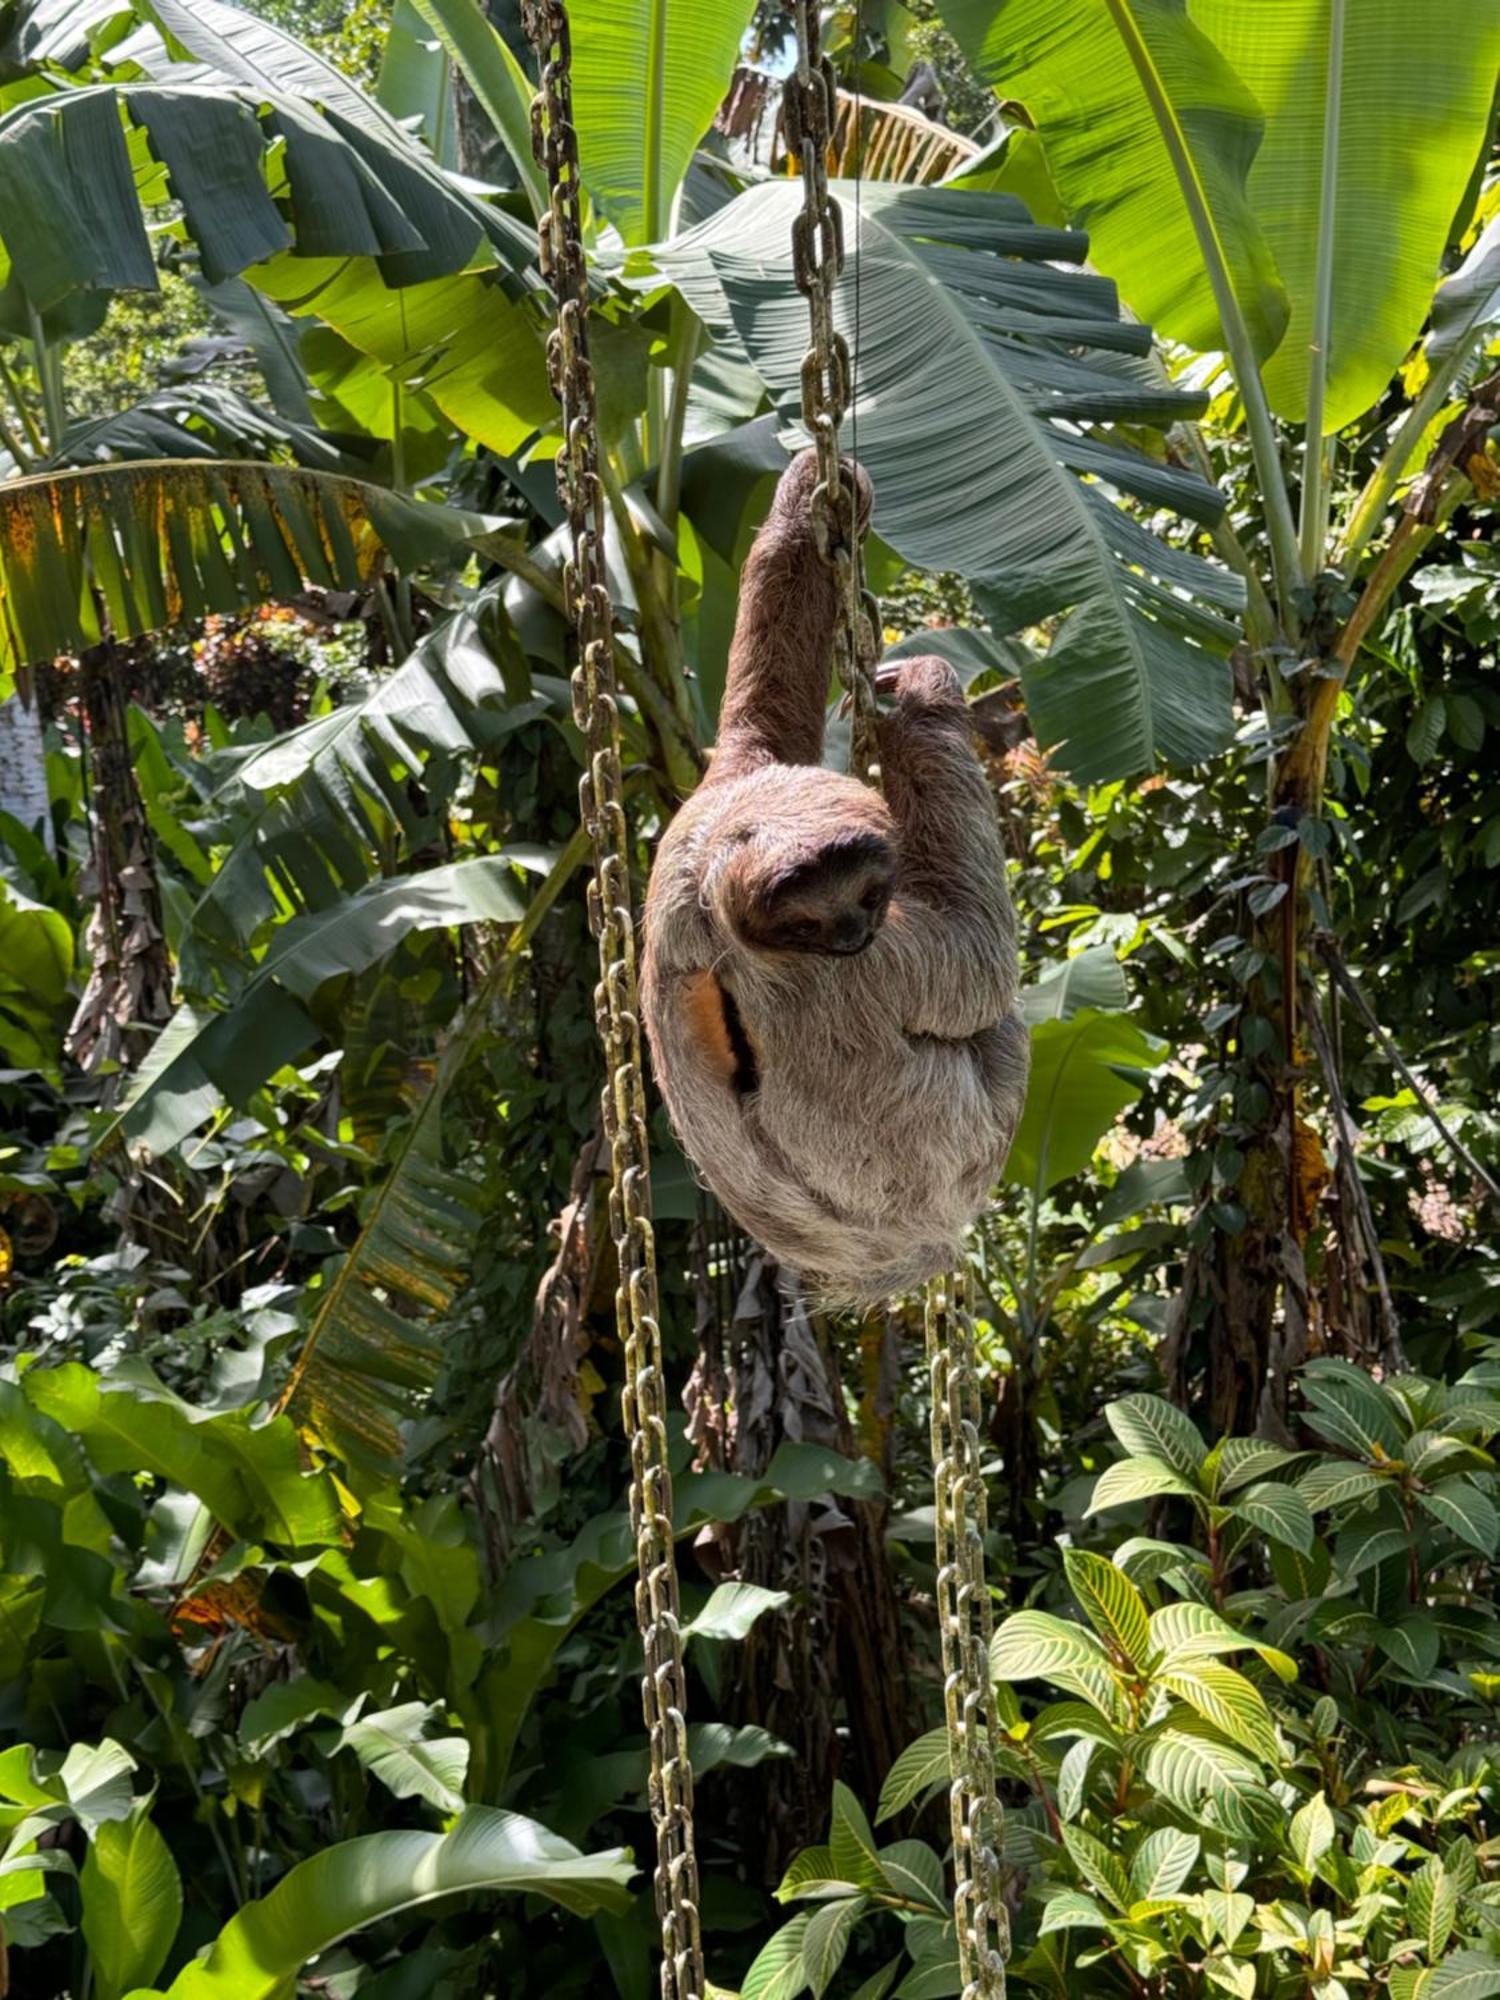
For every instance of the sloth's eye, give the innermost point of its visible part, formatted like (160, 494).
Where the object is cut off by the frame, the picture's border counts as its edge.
(873, 897)
(803, 929)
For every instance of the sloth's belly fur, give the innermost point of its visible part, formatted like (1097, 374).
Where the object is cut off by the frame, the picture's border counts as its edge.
(860, 1173)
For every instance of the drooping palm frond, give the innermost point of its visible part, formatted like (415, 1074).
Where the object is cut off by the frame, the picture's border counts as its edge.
(136, 547)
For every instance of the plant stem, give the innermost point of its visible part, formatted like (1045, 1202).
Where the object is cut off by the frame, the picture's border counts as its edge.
(18, 401)
(1282, 528)
(49, 374)
(669, 468)
(1382, 482)
(1314, 525)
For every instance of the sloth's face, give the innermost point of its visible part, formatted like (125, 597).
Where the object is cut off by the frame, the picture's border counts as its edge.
(832, 903)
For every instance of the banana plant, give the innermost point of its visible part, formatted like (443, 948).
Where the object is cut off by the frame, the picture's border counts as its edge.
(1245, 176)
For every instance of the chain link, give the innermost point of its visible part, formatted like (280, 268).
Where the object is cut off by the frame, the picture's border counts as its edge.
(965, 1626)
(617, 1012)
(809, 108)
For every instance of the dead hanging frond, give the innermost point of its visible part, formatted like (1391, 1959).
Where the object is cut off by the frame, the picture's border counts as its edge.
(542, 1395)
(370, 1357)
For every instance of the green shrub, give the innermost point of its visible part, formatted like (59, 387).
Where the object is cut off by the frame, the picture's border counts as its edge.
(1229, 1756)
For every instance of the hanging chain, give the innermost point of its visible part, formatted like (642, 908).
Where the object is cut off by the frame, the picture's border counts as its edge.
(965, 1623)
(965, 1626)
(617, 1011)
(809, 107)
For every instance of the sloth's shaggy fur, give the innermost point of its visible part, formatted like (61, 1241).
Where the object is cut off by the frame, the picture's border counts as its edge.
(851, 1111)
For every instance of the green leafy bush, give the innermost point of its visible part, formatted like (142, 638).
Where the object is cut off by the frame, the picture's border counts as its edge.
(1249, 1751)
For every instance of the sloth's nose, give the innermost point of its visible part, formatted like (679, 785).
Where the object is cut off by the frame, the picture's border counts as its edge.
(853, 930)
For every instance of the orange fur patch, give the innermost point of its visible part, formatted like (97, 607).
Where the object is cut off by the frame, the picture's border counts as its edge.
(703, 1004)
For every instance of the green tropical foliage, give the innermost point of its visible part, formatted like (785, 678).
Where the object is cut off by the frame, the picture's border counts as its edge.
(318, 1663)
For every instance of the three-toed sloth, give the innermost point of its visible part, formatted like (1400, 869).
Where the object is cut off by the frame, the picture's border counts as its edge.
(829, 977)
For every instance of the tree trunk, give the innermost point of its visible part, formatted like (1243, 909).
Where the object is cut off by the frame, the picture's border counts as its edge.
(23, 768)
(766, 1377)
(129, 991)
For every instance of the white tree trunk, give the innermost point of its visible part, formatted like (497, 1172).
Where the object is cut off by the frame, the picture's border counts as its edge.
(23, 769)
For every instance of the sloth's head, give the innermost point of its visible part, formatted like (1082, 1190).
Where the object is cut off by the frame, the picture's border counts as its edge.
(829, 899)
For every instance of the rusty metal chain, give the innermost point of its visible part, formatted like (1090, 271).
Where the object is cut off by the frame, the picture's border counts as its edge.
(810, 103)
(965, 1626)
(617, 1011)
(809, 108)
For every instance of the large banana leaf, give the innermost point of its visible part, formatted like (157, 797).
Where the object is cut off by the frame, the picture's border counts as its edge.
(1085, 1069)
(1468, 305)
(233, 44)
(159, 542)
(260, 1951)
(76, 168)
(982, 369)
(1142, 120)
(648, 76)
(206, 1055)
(313, 815)
(1412, 111)
(477, 352)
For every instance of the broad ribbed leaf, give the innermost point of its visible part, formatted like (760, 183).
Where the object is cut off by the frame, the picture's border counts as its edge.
(1093, 978)
(850, 1841)
(1412, 1644)
(914, 1871)
(132, 1904)
(1190, 1763)
(1467, 1975)
(1071, 1910)
(1469, 303)
(397, 1747)
(1231, 1703)
(920, 1765)
(827, 1940)
(314, 813)
(1404, 96)
(978, 361)
(1111, 1602)
(228, 1053)
(1181, 1633)
(1347, 1408)
(648, 76)
(354, 1883)
(1311, 1831)
(779, 1972)
(1137, 1479)
(1084, 1072)
(1432, 1909)
(1333, 1483)
(1162, 1863)
(1277, 1511)
(1032, 1645)
(1102, 1869)
(1464, 1511)
(732, 1609)
(1240, 1460)
(1116, 88)
(163, 542)
(1151, 1427)
(249, 1476)
(463, 341)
